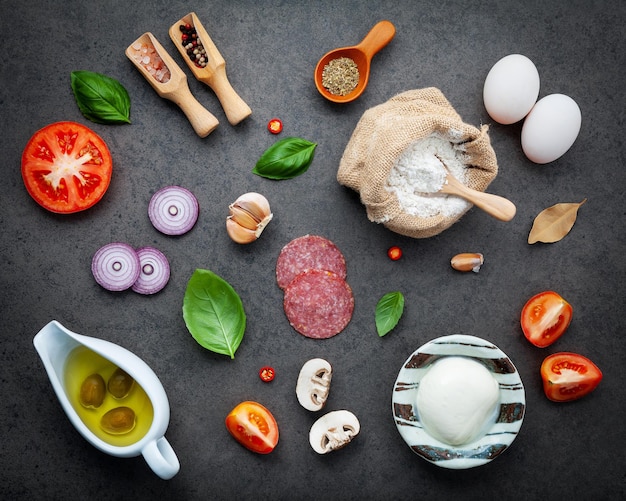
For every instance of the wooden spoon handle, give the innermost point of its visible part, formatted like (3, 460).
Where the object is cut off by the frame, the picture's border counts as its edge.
(499, 207)
(201, 119)
(235, 108)
(379, 36)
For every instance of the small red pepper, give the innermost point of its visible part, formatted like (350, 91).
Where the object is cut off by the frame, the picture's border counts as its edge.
(394, 253)
(275, 126)
(267, 374)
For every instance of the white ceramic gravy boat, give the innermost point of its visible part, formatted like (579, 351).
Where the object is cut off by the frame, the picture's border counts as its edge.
(54, 343)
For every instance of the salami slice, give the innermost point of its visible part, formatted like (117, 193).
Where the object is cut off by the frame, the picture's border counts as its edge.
(318, 303)
(310, 252)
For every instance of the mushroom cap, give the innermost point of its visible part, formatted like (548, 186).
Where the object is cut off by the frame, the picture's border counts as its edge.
(333, 431)
(313, 384)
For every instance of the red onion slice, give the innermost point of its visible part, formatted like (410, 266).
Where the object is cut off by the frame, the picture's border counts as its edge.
(115, 266)
(155, 271)
(173, 210)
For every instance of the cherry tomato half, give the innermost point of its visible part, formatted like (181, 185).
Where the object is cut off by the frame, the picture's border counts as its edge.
(275, 126)
(66, 167)
(569, 376)
(267, 374)
(253, 426)
(545, 317)
(394, 253)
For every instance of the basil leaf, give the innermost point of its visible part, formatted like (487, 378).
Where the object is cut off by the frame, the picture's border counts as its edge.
(388, 312)
(100, 98)
(213, 313)
(285, 159)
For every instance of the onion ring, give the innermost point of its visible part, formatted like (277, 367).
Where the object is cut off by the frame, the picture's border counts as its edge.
(115, 266)
(154, 271)
(173, 210)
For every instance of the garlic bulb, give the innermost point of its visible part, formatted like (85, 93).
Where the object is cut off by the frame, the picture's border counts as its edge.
(249, 215)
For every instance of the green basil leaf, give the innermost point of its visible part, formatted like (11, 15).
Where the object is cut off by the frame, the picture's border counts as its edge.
(285, 159)
(388, 312)
(100, 98)
(213, 313)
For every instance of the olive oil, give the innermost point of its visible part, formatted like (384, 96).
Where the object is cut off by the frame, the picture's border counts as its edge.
(83, 362)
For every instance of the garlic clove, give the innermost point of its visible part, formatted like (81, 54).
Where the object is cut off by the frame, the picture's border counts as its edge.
(243, 217)
(238, 233)
(255, 204)
(467, 261)
(249, 215)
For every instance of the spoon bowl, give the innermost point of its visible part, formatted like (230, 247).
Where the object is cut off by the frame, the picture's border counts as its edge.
(378, 37)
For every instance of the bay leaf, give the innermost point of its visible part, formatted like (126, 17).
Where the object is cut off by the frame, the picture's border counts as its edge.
(554, 223)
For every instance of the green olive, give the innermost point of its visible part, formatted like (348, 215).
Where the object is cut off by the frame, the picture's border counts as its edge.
(118, 421)
(120, 383)
(92, 391)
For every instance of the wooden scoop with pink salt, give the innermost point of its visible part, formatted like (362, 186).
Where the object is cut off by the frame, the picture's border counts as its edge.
(169, 81)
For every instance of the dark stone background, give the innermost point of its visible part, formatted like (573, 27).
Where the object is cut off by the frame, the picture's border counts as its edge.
(271, 48)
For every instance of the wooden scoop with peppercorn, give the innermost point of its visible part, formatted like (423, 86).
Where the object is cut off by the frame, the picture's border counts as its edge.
(169, 81)
(207, 65)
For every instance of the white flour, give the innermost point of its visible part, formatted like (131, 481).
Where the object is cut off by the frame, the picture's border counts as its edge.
(418, 175)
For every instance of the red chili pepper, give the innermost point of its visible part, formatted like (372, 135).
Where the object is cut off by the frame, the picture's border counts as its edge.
(267, 374)
(275, 126)
(394, 253)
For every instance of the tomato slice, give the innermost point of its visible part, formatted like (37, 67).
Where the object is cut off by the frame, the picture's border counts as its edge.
(253, 426)
(545, 317)
(569, 376)
(66, 167)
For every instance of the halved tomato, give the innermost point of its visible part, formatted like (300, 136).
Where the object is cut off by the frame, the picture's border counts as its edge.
(66, 167)
(545, 317)
(569, 376)
(253, 426)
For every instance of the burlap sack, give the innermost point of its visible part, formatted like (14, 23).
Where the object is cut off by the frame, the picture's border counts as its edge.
(385, 131)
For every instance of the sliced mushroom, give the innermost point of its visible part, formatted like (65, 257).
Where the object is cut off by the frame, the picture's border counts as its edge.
(313, 384)
(333, 431)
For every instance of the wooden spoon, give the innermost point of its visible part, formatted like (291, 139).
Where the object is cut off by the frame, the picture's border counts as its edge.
(378, 37)
(176, 88)
(214, 73)
(499, 207)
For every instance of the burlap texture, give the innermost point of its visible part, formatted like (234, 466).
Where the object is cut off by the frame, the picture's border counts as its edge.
(385, 131)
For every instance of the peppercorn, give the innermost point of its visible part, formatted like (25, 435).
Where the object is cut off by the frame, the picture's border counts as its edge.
(193, 45)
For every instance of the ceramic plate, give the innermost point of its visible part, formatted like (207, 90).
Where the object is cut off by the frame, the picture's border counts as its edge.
(500, 434)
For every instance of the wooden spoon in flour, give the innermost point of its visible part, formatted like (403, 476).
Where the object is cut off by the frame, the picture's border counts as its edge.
(499, 207)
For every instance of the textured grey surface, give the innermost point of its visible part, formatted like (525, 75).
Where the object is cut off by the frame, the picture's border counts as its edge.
(271, 48)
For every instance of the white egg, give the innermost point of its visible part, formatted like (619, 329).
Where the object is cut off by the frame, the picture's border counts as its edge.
(511, 89)
(550, 128)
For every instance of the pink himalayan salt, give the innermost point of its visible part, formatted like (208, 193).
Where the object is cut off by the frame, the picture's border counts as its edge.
(147, 56)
